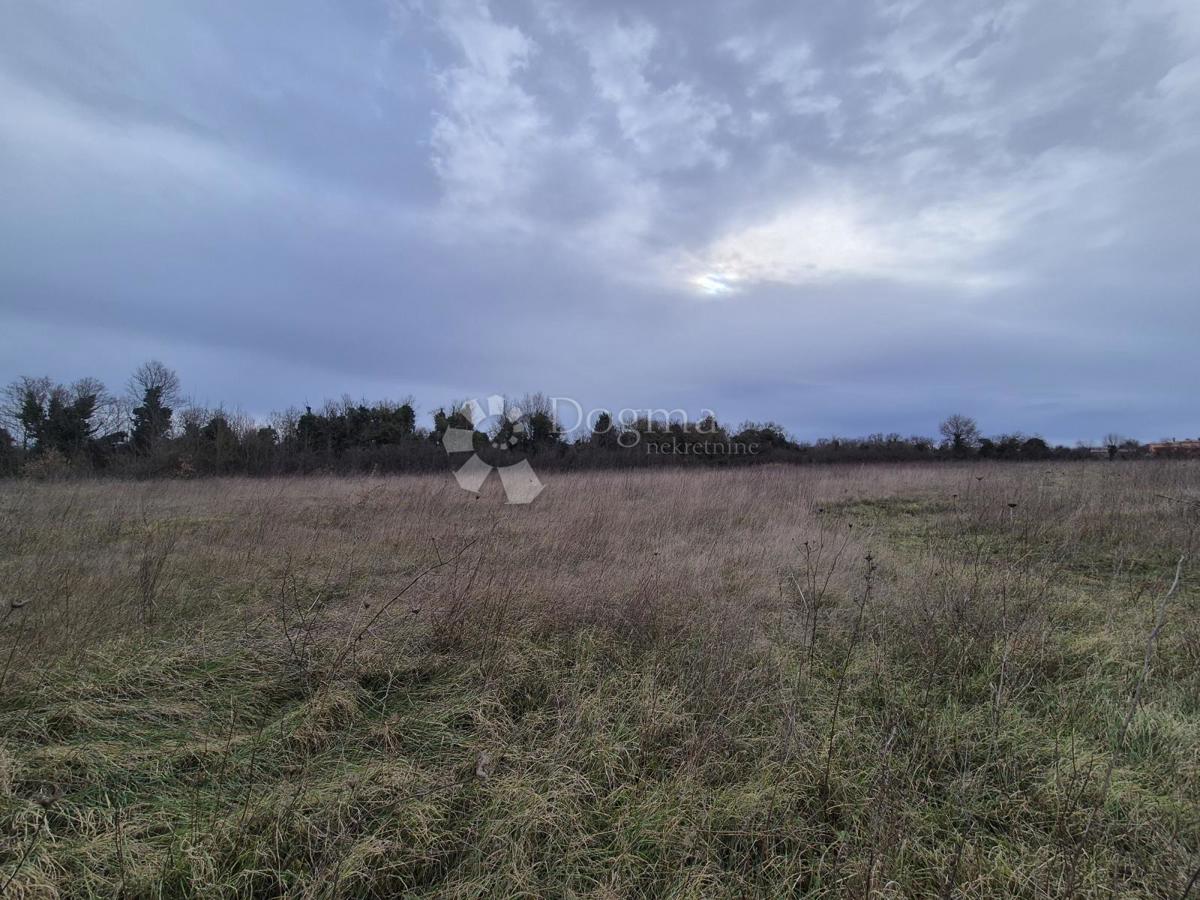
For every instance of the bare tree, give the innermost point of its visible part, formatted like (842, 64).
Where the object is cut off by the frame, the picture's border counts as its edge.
(960, 433)
(1113, 442)
(193, 417)
(153, 375)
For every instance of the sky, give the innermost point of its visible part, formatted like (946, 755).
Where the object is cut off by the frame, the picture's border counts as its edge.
(845, 217)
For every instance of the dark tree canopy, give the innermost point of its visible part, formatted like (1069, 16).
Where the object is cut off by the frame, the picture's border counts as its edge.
(151, 422)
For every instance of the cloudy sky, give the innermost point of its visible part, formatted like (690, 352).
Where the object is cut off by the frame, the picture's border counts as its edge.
(847, 217)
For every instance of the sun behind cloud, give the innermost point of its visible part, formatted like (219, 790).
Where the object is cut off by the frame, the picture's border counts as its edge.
(713, 284)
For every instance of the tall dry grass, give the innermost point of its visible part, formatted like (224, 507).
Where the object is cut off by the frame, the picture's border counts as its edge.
(867, 680)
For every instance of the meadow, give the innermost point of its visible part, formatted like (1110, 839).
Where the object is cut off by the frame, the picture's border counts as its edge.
(948, 680)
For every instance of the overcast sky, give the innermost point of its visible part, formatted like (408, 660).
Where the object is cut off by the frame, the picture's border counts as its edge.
(847, 217)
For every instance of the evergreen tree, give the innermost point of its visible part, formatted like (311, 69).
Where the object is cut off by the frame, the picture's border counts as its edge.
(32, 416)
(68, 425)
(151, 421)
(602, 430)
(8, 453)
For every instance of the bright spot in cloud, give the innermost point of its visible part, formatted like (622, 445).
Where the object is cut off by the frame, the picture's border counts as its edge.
(808, 242)
(712, 284)
(817, 240)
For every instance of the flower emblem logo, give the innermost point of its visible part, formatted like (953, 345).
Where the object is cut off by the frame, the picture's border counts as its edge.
(520, 483)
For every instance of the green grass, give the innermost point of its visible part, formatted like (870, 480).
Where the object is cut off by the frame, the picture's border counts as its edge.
(189, 771)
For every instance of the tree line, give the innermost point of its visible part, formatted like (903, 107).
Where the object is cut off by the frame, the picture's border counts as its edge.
(50, 429)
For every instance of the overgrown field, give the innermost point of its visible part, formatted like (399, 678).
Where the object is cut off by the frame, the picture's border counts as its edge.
(967, 681)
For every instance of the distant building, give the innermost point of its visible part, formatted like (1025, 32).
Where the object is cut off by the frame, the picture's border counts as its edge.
(1175, 448)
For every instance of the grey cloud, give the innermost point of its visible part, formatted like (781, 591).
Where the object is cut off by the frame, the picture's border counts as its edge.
(846, 217)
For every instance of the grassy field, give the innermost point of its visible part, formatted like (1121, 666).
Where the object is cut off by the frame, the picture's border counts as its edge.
(974, 681)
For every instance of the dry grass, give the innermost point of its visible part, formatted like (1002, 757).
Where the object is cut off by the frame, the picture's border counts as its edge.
(663, 683)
